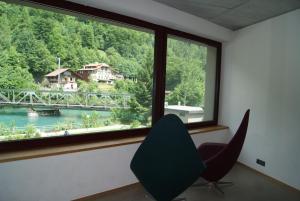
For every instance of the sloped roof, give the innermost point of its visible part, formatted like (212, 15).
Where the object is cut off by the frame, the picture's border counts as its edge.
(56, 72)
(97, 64)
(94, 65)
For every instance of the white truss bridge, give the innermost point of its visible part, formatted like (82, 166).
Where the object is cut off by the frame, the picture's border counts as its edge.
(63, 99)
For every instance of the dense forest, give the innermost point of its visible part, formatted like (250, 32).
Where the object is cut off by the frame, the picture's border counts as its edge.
(32, 39)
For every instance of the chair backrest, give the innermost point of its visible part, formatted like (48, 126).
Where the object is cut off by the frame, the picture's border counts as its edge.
(167, 162)
(219, 165)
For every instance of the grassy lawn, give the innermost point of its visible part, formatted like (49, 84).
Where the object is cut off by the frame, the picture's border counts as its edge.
(105, 87)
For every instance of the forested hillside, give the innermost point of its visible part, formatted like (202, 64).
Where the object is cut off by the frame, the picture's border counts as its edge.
(32, 39)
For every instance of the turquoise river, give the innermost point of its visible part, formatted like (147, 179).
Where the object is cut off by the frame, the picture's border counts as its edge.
(18, 117)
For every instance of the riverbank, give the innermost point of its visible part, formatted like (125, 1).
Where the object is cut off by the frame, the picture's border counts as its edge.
(41, 134)
(84, 130)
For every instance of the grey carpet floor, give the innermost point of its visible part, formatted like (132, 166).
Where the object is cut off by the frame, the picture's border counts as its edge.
(248, 186)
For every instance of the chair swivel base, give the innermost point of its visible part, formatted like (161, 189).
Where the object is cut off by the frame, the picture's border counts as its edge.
(214, 185)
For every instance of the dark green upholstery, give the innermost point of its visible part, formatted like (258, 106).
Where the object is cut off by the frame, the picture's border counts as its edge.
(167, 162)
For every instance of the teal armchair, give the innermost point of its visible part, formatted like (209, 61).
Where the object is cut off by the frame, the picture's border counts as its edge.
(167, 162)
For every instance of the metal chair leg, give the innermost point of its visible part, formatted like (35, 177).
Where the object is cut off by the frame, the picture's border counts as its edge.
(200, 184)
(227, 183)
(217, 187)
(214, 185)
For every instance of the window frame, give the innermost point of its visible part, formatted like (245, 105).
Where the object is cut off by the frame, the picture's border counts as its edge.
(159, 76)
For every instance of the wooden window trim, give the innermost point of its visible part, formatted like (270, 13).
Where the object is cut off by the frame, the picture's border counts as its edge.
(72, 148)
(160, 52)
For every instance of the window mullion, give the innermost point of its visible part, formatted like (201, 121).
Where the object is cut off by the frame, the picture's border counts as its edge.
(159, 74)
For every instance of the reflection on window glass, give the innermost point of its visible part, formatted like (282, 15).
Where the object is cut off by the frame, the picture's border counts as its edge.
(190, 80)
(65, 75)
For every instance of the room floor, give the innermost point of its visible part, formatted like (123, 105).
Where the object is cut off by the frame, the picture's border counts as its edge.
(248, 186)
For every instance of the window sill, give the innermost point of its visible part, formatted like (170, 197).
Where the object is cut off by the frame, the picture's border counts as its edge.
(50, 151)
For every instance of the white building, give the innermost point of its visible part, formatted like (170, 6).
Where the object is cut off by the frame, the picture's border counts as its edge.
(99, 72)
(63, 78)
(188, 114)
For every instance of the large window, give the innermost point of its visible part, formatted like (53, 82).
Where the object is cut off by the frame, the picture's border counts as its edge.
(190, 80)
(71, 73)
(64, 75)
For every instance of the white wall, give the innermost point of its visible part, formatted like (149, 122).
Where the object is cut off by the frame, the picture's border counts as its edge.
(161, 14)
(75, 175)
(261, 71)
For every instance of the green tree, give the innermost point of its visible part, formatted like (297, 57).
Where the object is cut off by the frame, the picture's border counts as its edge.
(140, 104)
(42, 28)
(38, 58)
(127, 67)
(87, 36)
(174, 71)
(5, 33)
(190, 90)
(14, 74)
(84, 86)
(185, 72)
(57, 42)
(91, 120)
(22, 79)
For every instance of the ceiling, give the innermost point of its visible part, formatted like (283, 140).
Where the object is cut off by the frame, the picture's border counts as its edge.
(234, 14)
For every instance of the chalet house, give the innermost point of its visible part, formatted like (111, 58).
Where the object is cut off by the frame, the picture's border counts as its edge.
(64, 78)
(99, 72)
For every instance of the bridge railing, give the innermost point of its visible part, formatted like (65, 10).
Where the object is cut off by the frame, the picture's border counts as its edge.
(64, 99)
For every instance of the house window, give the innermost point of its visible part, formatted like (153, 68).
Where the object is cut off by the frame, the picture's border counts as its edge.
(128, 73)
(190, 79)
